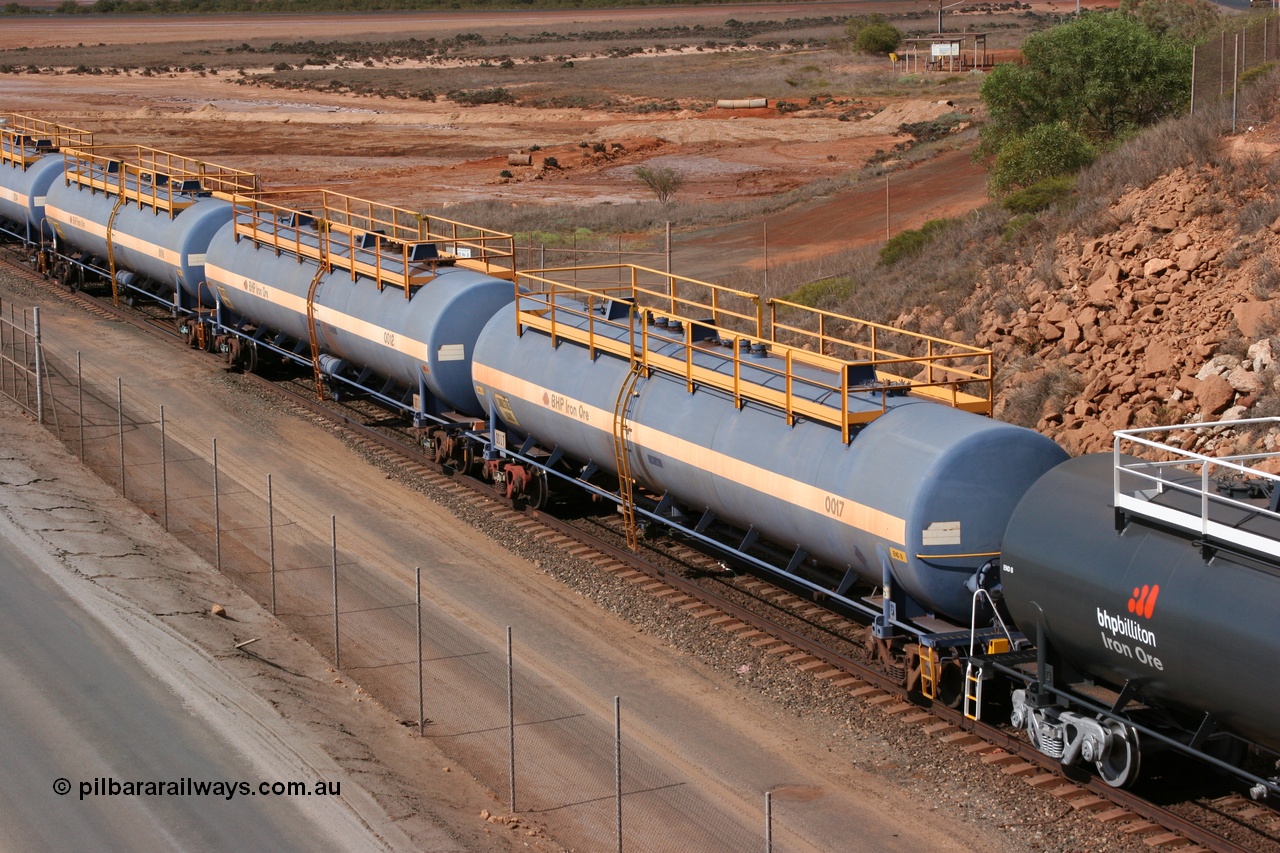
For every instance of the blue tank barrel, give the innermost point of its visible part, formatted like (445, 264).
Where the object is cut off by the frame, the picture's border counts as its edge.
(394, 308)
(152, 213)
(30, 163)
(758, 438)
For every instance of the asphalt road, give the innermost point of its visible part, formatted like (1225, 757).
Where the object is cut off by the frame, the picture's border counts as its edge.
(75, 705)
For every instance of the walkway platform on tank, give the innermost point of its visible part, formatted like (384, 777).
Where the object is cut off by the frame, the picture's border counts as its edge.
(804, 362)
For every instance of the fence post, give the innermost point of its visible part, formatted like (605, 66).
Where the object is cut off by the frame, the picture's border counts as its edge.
(3, 350)
(333, 540)
(668, 246)
(79, 402)
(1235, 79)
(164, 472)
(271, 542)
(35, 322)
(511, 722)
(1222, 64)
(617, 763)
(765, 239)
(417, 598)
(768, 822)
(120, 421)
(1194, 52)
(26, 359)
(217, 519)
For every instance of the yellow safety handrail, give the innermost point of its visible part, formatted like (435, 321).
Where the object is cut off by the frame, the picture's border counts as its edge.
(25, 139)
(942, 369)
(370, 239)
(814, 384)
(151, 178)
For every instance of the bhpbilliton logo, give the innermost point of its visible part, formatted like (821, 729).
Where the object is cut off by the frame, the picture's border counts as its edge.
(1143, 602)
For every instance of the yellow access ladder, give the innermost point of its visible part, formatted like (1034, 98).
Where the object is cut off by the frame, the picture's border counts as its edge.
(111, 249)
(312, 333)
(620, 429)
(929, 670)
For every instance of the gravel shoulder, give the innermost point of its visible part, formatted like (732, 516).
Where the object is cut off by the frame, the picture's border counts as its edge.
(273, 703)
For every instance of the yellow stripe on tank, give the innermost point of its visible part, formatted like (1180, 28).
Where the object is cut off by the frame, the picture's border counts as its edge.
(127, 241)
(794, 492)
(225, 280)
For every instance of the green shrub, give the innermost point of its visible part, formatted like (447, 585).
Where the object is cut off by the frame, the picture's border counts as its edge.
(877, 39)
(825, 292)
(1257, 73)
(1039, 196)
(663, 181)
(1045, 151)
(1018, 224)
(911, 242)
(477, 97)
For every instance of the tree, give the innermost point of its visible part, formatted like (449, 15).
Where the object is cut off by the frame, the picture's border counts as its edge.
(857, 23)
(872, 34)
(663, 180)
(1185, 19)
(1085, 84)
(1103, 75)
(878, 39)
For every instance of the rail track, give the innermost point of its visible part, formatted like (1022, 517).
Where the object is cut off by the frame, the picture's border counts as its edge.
(772, 618)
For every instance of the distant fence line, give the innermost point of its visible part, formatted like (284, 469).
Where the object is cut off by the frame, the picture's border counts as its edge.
(1218, 64)
(505, 723)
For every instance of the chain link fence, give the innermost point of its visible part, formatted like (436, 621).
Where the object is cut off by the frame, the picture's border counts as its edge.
(1220, 63)
(539, 749)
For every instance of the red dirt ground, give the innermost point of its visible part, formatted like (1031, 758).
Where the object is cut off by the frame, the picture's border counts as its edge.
(420, 154)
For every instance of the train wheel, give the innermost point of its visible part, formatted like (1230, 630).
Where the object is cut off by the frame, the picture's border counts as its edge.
(439, 450)
(951, 684)
(1120, 767)
(249, 357)
(536, 491)
(465, 456)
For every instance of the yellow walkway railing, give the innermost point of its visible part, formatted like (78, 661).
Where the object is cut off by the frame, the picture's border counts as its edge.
(150, 178)
(366, 238)
(811, 375)
(24, 139)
